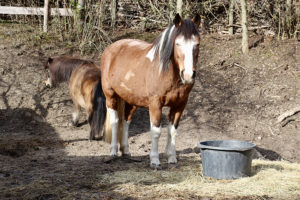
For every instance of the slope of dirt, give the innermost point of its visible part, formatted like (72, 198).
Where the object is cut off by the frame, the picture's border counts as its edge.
(235, 97)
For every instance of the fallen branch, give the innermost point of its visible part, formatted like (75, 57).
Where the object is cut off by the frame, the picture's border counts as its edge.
(288, 113)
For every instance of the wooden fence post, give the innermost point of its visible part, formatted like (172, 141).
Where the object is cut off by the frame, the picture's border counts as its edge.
(46, 15)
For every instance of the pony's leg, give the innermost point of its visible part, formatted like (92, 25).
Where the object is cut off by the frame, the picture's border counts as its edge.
(129, 110)
(155, 118)
(75, 114)
(174, 117)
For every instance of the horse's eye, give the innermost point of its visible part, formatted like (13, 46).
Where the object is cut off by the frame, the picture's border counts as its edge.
(177, 44)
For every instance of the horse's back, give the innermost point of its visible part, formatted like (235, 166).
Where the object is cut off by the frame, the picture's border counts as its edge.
(82, 83)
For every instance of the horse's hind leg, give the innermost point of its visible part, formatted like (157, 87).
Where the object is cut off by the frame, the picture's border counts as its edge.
(124, 147)
(75, 114)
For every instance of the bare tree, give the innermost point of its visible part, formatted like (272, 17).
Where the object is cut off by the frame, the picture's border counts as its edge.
(289, 25)
(245, 46)
(113, 11)
(171, 11)
(179, 7)
(101, 12)
(80, 11)
(230, 21)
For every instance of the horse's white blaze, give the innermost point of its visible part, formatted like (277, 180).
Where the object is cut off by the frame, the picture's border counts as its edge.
(154, 156)
(113, 119)
(125, 87)
(129, 75)
(125, 137)
(187, 47)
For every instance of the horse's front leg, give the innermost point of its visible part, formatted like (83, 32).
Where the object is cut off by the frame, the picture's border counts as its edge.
(113, 119)
(174, 117)
(155, 120)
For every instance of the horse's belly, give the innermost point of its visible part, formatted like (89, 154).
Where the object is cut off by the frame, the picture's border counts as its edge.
(132, 96)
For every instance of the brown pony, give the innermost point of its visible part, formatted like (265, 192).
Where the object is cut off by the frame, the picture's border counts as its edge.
(85, 88)
(86, 92)
(60, 69)
(153, 76)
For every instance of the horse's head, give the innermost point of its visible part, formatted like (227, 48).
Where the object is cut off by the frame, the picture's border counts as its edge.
(186, 47)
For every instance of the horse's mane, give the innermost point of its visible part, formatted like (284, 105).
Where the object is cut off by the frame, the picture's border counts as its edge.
(61, 67)
(163, 45)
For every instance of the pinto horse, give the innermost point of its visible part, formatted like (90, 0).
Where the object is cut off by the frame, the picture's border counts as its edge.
(153, 76)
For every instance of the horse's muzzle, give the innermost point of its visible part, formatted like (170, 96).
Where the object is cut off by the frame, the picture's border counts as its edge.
(187, 78)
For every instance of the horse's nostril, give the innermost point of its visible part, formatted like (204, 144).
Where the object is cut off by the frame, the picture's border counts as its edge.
(194, 75)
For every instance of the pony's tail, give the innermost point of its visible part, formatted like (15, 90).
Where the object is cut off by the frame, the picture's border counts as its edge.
(98, 115)
(108, 130)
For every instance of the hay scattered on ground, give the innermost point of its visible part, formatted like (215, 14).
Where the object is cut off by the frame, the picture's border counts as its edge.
(269, 180)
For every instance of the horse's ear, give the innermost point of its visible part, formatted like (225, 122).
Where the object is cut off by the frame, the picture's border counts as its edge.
(177, 20)
(50, 60)
(197, 20)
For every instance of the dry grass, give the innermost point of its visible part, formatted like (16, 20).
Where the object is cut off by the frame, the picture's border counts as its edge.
(270, 180)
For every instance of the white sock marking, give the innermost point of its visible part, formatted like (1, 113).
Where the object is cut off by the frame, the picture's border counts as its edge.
(154, 156)
(114, 126)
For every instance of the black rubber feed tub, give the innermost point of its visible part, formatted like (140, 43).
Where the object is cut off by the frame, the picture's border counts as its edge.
(226, 159)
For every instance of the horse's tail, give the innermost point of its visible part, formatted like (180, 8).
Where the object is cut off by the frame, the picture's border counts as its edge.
(98, 115)
(108, 130)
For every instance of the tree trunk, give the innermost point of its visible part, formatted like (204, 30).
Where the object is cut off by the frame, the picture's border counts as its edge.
(80, 13)
(179, 7)
(171, 11)
(245, 46)
(46, 15)
(232, 2)
(289, 25)
(101, 12)
(113, 12)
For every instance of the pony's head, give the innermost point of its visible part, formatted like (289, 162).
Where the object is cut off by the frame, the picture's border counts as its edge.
(179, 42)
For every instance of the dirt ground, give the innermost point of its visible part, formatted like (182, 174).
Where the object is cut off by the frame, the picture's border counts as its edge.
(235, 97)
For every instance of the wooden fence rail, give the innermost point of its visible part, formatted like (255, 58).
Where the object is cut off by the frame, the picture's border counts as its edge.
(34, 11)
(9, 10)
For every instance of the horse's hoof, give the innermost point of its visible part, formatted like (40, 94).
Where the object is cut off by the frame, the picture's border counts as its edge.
(172, 160)
(156, 166)
(74, 123)
(126, 155)
(113, 154)
(172, 165)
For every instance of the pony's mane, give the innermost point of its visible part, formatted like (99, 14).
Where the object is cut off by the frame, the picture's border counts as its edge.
(163, 45)
(61, 67)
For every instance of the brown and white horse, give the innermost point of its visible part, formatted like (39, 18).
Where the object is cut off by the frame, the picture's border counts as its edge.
(151, 75)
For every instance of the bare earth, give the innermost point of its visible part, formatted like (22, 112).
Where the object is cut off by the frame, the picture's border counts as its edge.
(235, 97)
